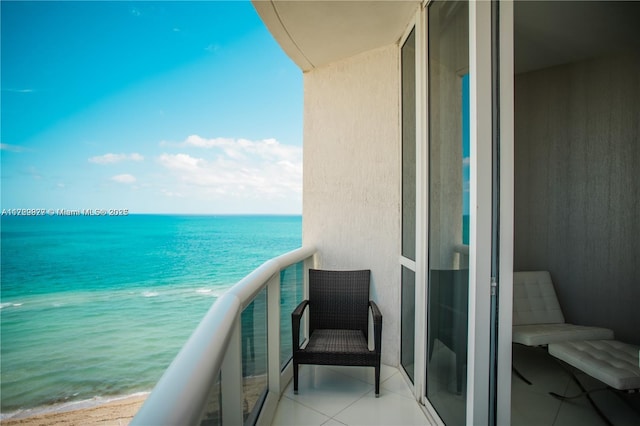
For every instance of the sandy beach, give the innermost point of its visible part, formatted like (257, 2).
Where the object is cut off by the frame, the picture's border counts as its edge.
(113, 413)
(119, 411)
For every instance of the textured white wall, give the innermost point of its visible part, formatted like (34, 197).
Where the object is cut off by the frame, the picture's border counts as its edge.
(351, 195)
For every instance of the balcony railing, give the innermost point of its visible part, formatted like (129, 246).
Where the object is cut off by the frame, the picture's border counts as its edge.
(236, 357)
(462, 256)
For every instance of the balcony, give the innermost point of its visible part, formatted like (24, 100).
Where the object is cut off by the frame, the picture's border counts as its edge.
(235, 370)
(235, 367)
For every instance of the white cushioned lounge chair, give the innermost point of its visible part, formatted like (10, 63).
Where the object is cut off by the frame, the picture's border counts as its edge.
(538, 321)
(537, 316)
(614, 363)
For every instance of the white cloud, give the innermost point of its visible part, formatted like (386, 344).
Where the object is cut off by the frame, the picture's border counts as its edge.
(34, 173)
(19, 90)
(180, 162)
(239, 168)
(124, 178)
(168, 193)
(115, 158)
(12, 148)
(199, 141)
(268, 149)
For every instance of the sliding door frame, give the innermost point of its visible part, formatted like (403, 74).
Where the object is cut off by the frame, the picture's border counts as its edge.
(481, 169)
(481, 218)
(481, 172)
(506, 225)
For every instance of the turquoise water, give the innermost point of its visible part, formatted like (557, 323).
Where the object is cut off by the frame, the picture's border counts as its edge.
(100, 306)
(465, 229)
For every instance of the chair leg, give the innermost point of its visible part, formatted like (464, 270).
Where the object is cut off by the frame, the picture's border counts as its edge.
(377, 367)
(519, 374)
(460, 376)
(584, 392)
(295, 377)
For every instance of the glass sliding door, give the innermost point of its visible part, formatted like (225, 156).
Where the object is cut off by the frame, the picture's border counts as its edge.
(469, 212)
(407, 349)
(408, 275)
(449, 213)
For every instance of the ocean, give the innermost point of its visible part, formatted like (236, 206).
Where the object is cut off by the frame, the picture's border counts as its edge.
(98, 306)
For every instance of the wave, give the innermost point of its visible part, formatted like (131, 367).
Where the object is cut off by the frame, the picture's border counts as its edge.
(150, 293)
(10, 305)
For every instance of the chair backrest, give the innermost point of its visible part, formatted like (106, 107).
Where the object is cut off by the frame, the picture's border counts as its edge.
(534, 299)
(339, 300)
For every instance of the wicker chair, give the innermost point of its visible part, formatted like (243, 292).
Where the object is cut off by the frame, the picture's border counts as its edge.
(338, 323)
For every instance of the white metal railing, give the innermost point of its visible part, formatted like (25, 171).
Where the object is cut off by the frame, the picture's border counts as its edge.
(213, 353)
(462, 252)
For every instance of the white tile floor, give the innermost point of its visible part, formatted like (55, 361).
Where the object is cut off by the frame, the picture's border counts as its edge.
(334, 396)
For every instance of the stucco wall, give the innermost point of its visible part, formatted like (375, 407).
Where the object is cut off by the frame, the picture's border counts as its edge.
(577, 190)
(351, 199)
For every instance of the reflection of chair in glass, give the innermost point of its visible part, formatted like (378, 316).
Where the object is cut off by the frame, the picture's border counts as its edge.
(537, 317)
(338, 323)
(449, 295)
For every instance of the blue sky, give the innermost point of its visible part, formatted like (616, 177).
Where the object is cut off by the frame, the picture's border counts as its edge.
(156, 107)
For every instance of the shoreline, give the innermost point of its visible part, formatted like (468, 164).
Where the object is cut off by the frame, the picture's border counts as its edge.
(96, 411)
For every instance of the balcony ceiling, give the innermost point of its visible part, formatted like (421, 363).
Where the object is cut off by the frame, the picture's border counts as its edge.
(559, 32)
(316, 33)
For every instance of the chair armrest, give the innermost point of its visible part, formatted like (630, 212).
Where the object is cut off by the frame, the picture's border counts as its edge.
(295, 323)
(377, 326)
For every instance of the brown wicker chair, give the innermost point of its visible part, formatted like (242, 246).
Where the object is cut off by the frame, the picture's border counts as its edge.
(338, 323)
